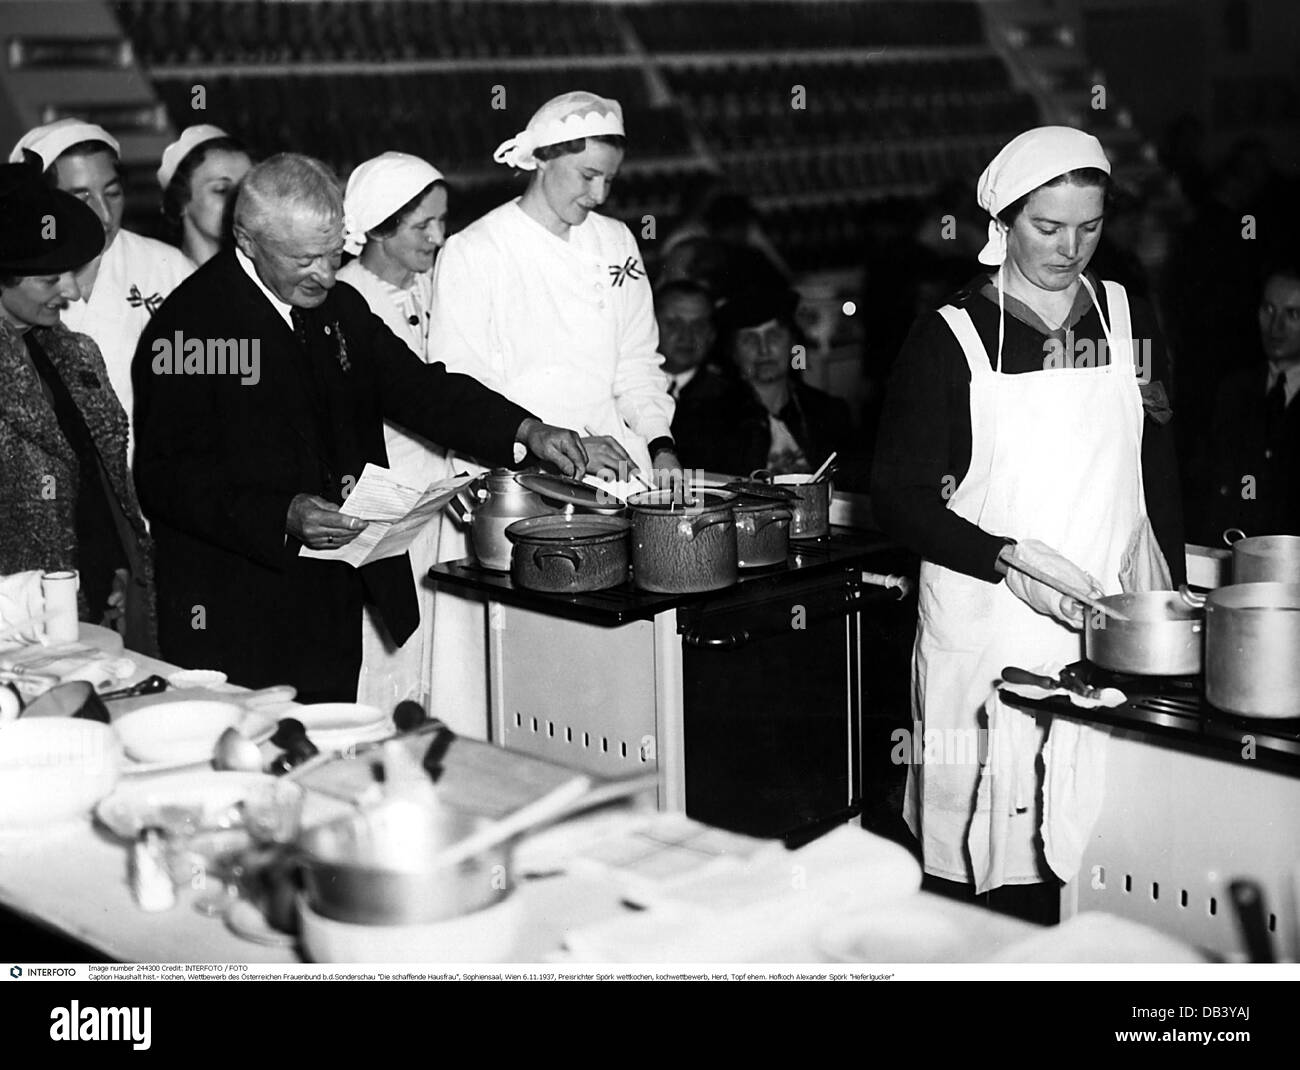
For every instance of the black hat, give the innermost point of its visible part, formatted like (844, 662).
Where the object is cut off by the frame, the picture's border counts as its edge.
(753, 308)
(43, 231)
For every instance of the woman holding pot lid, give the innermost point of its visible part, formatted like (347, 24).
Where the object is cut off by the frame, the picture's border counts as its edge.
(395, 215)
(547, 301)
(1026, 418)
(66, 498)
(198, 175)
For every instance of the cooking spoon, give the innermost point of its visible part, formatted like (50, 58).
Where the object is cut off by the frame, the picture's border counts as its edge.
(821, 473)
(1064, 588)
(150, 685)
(237, 753)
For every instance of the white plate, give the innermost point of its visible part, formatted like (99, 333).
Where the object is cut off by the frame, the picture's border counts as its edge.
(336, 724)
(128, 808)
(254, 724)
(184, 678)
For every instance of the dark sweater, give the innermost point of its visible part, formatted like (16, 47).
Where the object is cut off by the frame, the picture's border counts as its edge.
(925, 430)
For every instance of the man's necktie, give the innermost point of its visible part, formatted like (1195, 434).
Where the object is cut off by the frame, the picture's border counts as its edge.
(1275, 412)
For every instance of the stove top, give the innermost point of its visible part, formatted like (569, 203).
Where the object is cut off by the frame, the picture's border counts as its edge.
(1176, 705)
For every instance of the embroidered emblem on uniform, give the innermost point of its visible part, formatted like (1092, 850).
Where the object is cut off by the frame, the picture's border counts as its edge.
(342, 352)
(135, 299)
(629, 269)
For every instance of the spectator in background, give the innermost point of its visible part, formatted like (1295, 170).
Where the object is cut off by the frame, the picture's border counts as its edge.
(782, 424)
(66, 498)
(198, 176)
(705, 419)
(1253, 455)
(126, 284)
(728, 253)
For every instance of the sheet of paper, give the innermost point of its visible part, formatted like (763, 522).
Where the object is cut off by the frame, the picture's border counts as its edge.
(395, 512)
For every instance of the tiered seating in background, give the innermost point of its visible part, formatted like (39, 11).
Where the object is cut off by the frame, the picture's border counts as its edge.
(906, 95)
(202, 32)
(717, 26)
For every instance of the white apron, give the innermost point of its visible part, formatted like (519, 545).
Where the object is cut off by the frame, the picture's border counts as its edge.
(390, 673)
(1056, 455)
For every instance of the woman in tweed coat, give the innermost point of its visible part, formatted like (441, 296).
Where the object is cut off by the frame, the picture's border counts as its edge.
(59, 417)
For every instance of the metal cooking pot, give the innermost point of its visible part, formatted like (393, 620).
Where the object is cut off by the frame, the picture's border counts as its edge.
(1252, 649)
(681, 548)
(812, 513)
(569, 553)
(491, 504)
(371, 871)
(762, 533)
(1264, 558)
(1162, 637)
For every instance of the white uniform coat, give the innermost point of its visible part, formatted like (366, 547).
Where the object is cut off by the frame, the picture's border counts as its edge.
(134, 276)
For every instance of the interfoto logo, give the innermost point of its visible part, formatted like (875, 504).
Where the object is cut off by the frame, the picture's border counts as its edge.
(179, 355)
(15, 971)
(76, 1022)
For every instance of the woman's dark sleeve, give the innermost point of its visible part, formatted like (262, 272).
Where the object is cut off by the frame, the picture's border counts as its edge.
(1160, 476)
(926, 413)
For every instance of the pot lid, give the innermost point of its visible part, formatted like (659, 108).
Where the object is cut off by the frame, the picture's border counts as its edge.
(569, 491)
(698, 500)
(582, 528)
(752, 490)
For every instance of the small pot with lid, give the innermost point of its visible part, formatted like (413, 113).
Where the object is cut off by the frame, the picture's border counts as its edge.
(1264, 558)
(683, 543)
(569, 554)
(489, 505)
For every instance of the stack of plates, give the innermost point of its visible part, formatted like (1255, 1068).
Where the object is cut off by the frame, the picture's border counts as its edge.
(334, 725)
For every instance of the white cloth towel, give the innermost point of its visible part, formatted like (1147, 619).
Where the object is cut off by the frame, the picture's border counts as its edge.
(21, 599)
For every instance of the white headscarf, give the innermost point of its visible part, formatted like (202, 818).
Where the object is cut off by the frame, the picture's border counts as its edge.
(174, 154)
(566, 118)
(377, 189)
(50, 141)
(1025, 163)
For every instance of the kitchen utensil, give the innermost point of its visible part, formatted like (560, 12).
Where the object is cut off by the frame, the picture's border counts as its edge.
(1069, 680)
(237, 753)
(489, 505)
(812, 516)
(54, 769)
(1153, 633)
(1252, 640)
(186, 730)
(762, 532)
(1062, 587)
(824, 471)
(565, 554)
(679, 548)
(1263, 558)
(573, 493)
(1248, 899)
(150, 685)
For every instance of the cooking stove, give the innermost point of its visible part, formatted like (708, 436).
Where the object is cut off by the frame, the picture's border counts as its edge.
(1176, 706)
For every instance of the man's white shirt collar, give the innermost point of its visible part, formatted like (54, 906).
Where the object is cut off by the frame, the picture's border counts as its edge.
(1292, 386)
(251, 271)
(682, 378)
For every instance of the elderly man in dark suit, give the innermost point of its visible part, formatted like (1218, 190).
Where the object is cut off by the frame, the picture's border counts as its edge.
(261, 391)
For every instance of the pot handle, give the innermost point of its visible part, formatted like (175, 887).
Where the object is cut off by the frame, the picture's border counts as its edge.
(571, 556)
(779, 516)
(1192, 598)
(1229, 533)
(690, 526)
(730, 641)
(900, 585)
(762, 475)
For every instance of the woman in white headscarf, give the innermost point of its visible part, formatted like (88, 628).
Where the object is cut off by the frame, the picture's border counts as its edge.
(1022, 423)
(395, 212)
(546, 301)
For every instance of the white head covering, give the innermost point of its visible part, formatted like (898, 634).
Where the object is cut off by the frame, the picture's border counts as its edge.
(566, 118)
(174, 154)
(50, 141)
(1025, 163)
(377, 189)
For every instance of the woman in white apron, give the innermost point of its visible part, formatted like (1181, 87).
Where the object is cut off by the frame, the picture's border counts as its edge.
(1050, 434)
(395, 216)
(547, 301)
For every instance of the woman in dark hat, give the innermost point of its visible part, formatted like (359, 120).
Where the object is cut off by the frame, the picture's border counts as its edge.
(65, 493)
(782, 424)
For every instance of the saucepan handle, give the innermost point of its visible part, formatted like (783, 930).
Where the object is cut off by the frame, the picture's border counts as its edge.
(571, 556)
(779, 516)
(691, 526)
(1232, 535)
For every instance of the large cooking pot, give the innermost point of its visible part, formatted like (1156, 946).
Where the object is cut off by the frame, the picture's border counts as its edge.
(491, 504)
(1162, 637)
(762, 532)
(680, 548)
(1252, 649)
(564, 554)
(382, 869)
(1264, 558)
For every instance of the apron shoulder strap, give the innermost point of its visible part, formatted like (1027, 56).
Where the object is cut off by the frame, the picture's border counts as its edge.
(977, 357)
(1121, 323)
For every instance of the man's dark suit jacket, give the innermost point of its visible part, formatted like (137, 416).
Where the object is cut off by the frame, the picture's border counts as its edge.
(218, 461)
(704, 424)
(1238, 448)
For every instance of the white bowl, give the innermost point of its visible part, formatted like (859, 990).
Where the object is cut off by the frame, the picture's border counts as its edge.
(486, 935)
(183, 731)
(183, 678)
(53, 769)
(203, 795)
(336, 724)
